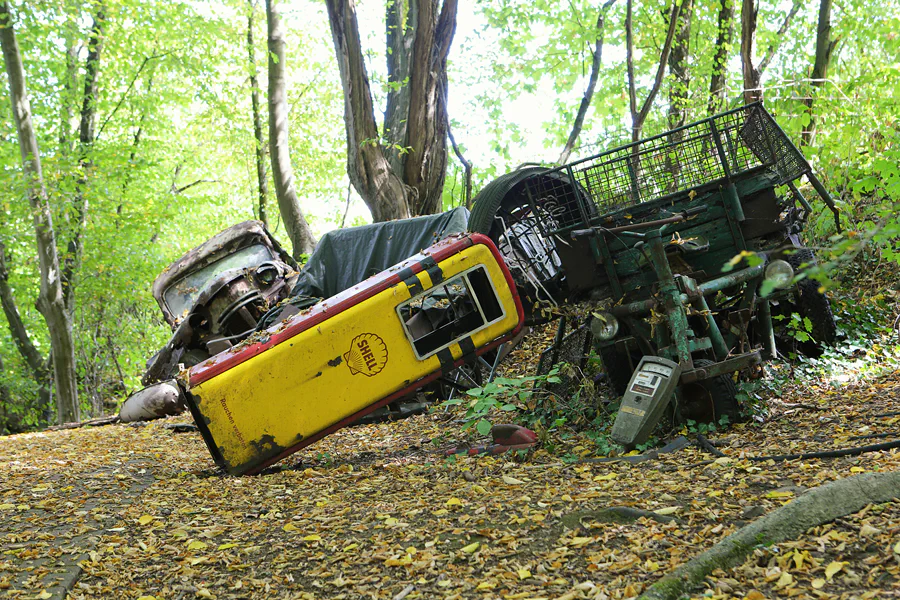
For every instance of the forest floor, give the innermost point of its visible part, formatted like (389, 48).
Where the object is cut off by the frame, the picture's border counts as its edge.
(379, 511)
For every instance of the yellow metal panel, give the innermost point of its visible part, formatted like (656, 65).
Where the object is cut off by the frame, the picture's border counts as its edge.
(273, 401)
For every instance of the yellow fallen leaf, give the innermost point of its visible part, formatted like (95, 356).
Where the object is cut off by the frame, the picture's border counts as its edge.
(785, 580)
(45, 595)
(607, 477)
(868, 531)
(440, 512)
(628, 592)
(566, 498)
(857, 470)
(897, 548)
(754, 595)
(146, 598)
(479, 489)
(715, 493)
(779, 494)
(484, 585)
(667, 510)
(454, 502)
(391, 521)
(578, 542)
(290, 527)
(350, 547)
(833, 569)
(226, 546)
(197, 545)
(145, 519)
(7, 506)
(312, 538)
(204, 593)
(512, 480)
(471, 547)
(523, 573)
(818, 583)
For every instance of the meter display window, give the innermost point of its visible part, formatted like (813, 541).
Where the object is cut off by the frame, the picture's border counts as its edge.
(450, 311)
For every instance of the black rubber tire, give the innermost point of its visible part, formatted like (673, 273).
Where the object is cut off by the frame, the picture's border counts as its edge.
(490, 198)
(716, 395)
(618, 368)
(811, 303)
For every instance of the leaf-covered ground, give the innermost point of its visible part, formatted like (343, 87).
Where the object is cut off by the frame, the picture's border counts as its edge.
(378, 512)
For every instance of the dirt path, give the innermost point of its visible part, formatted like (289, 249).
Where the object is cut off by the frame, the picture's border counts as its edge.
(377, 512)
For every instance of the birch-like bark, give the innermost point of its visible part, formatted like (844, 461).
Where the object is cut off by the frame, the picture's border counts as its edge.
(50, 302)
(298, 230)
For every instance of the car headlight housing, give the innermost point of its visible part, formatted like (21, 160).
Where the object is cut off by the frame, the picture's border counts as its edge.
(779, 273)
(604, 326)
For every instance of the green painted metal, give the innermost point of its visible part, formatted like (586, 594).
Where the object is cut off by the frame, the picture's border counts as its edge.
(764, 316)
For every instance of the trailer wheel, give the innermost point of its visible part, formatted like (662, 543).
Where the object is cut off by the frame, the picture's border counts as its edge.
(811, 303)
(618, 368)
(708, 400)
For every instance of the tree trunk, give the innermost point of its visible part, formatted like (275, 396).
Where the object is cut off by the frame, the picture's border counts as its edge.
(302, 238)
(752, 91)
(68, 123)
(86, 136)
(403, 175)
(51, 302)
(639, 116)
(591, 86)
(824, 49)
(678, 67)
(262, 178)
(724, 32)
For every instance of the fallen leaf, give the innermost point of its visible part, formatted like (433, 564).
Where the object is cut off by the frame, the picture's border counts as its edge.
(523, 573)
(512, 480)
(145, 519)
(471, 547)
(197, 545)
(668, 510)
(833, 569)
(818, 583)
(312, 538)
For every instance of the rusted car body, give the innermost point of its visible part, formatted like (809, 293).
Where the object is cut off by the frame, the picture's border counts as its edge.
(214, 296)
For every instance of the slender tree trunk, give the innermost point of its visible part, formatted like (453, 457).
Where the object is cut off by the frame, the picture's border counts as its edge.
(86, 136)
(261, 177)
(752, 91)
(68, 122)
(402, 175)
(578, 123)
(639, 116)
(724, 33)
(824, 48)
(773, 47)
(51, 302)
(678, 67)
(302, 238)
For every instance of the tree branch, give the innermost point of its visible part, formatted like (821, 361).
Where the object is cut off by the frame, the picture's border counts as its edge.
(638, 118)
(773, 47)
(591, 86)
(127, 91)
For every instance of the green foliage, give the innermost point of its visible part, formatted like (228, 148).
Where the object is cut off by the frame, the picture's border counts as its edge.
(502, 395)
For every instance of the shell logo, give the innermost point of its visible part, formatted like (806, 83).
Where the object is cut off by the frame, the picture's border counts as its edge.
(368, 354)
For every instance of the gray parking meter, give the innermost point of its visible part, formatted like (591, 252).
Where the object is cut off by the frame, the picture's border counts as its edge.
(649, 391)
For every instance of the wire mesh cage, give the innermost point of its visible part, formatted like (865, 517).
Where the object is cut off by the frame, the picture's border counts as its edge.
(731, 145)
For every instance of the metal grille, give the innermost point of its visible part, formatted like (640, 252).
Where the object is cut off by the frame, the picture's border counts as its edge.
(674, 163)
(573, 349)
